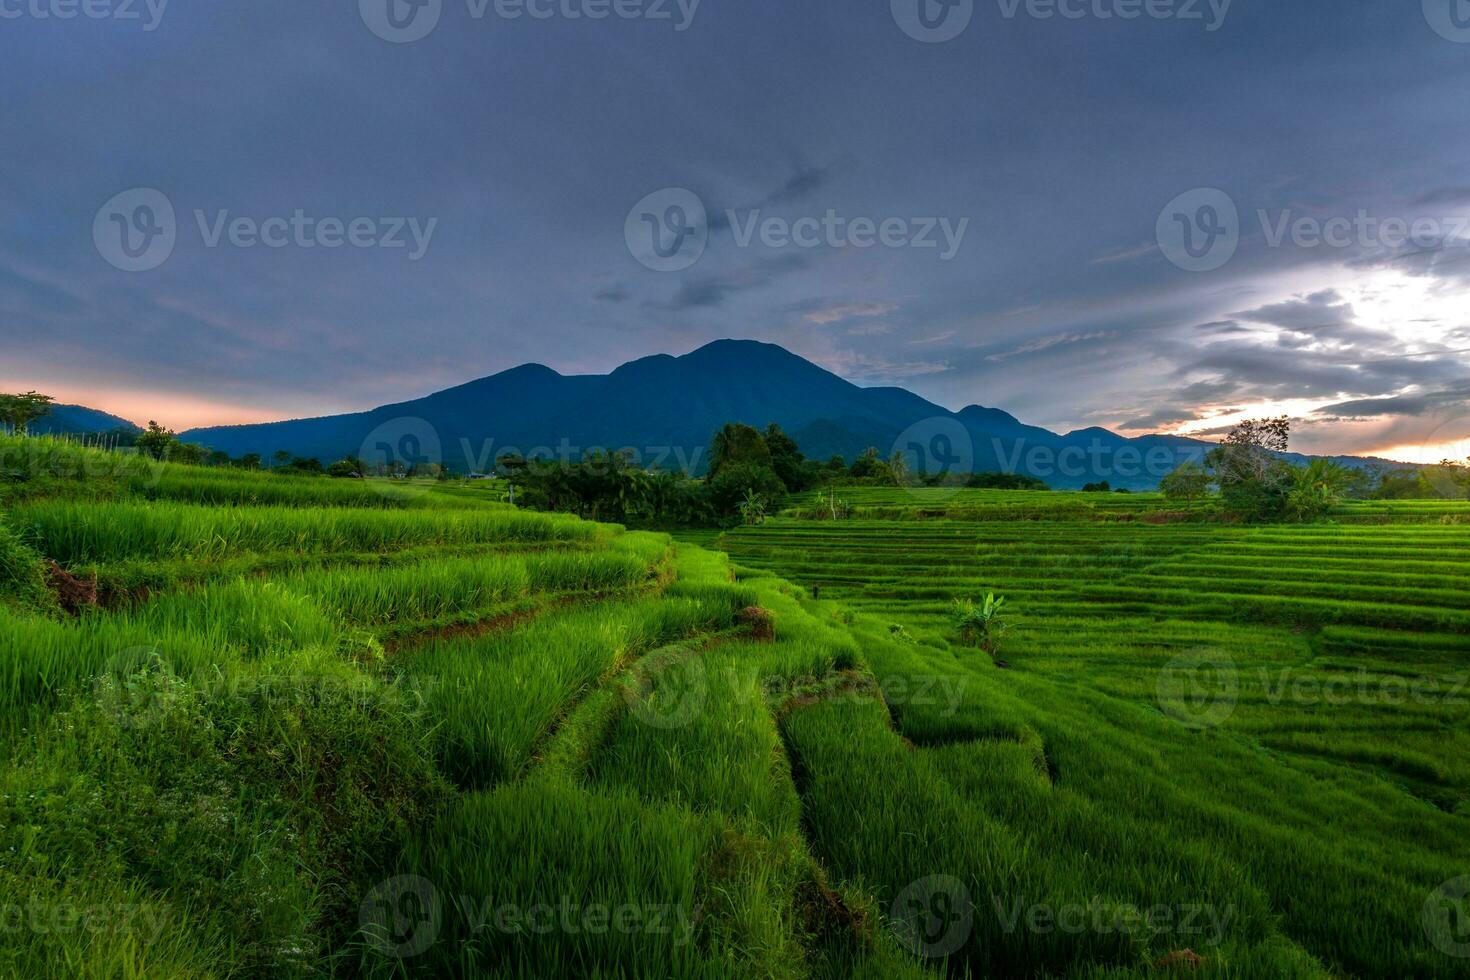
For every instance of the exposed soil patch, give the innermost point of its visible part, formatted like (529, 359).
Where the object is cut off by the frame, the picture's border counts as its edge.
(74, 594)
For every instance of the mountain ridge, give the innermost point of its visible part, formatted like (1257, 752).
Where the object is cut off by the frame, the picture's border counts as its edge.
(662, 403)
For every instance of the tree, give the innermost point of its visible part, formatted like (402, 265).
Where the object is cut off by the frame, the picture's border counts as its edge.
(794, 469)
(188, 453)
(346, 468)
(156, 441)
(280, 459)
(981, 623)
(898, 463)
(1188, 482)
(1103, 487)
(737, 443)
(250, 461)
(1316, 489)
(218, 457)
(1004, 481)
(870, 466)
(735, 483)
(19, 411)
(1254, 481)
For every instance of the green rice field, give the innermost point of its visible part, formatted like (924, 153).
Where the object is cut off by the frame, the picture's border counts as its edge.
(260, 726)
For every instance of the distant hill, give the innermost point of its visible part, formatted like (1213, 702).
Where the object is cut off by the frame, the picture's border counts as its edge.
(669, 407)
(78, 420)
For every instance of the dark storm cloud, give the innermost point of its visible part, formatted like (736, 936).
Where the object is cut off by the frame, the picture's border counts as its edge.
(1446, 195)
(530, 141)
(713, 291)
(1420, 404)
(803, 184)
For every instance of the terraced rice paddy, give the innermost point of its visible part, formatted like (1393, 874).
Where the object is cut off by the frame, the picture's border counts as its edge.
(392, 734)
(1265, 720)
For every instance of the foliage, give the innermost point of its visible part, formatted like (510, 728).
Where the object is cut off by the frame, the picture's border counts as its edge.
(1103, 487)
(1316, 489)
(1255, 483)
(981, 623)
(1188, 482)
(17, 412)
(156, 440)
(736, 443)
(1004, 481)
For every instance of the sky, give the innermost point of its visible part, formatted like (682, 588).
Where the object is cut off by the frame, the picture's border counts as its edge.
(1152, 215)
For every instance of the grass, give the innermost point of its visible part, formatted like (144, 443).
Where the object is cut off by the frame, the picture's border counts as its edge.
(331, 728)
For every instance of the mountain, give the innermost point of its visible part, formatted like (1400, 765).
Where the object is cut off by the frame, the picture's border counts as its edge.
(77, 420)
(666, 408)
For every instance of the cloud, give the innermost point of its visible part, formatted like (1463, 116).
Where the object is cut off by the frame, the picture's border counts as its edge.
(1158, 419)
(712, 291)
(612, 294)
(1446, 195)
(1125, 254)
(1046, 343)
(804, 182)
(1415, 404)
(1324, 317)
(840, 312)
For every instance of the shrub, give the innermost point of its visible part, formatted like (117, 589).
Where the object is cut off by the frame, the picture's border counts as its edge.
(980, 624)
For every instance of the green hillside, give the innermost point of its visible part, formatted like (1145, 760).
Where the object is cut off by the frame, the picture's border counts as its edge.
(267, 726)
